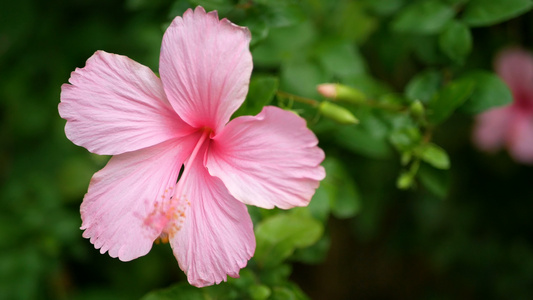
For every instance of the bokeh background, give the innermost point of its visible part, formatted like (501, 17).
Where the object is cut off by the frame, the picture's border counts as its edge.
(461, 233)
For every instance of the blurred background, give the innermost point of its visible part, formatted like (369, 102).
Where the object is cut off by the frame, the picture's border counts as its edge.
(461, 233)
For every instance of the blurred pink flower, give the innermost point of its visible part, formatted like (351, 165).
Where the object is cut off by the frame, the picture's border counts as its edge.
(152, 126)
(510, 126)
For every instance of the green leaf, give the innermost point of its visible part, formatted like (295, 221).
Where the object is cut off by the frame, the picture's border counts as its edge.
(490, 12)
(319, 206)
(423, 17)
(283, 44)
(448, 99)
(278, 236)
(369, 138)
(427, 50)
(340, 189)
(222, 6)
(179, 291)
(260, 93)
(276, 275)
(259, 292)
(258, 28)
(288, 292)
(353, 22)
(282, 14)
(456, 2)
(436, 181)
(490, 91)
(301, 78)
(435, 156)
(383, 7)
(314, 254)
(405, 139)
(184, 290)
(348, 201)
(340, 58)
(424, 86)
(366, 139)
(456, 41)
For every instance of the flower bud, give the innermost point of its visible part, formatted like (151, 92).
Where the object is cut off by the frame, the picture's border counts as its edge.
(417, 109)
(337, 113)
(405, 181)
(328, 90)
(341, 92)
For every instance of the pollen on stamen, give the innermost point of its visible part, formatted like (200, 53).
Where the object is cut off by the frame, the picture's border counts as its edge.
(163, 239)
(168, 217)
(158, 219)
(178, 216)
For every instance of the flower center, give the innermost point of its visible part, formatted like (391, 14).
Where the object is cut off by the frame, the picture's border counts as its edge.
(190, 162)
(168, 217)
(523, 103)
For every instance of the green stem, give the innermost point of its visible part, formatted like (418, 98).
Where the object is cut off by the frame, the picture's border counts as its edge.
(312, 102)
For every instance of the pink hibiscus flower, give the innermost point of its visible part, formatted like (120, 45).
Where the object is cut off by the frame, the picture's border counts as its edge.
(153, 127)
(510, 126)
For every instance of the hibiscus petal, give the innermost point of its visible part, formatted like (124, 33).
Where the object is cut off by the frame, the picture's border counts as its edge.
(491, 128)
(268, 160)
(205, 66)
(521, 138)
(214, 238)
(115, 105)
(515, 66)
(120, 212)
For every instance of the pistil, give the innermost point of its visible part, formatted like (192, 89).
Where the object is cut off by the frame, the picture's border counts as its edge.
(169, 217)
(188, 165)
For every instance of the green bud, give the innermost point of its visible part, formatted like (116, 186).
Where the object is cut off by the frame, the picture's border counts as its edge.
(341, 92)
(337, 113)
(406, 158)
(405, 181)
(417, 109)
(407, 178)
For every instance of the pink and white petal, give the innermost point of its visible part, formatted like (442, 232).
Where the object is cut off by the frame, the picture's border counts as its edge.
(268, 160)
(515, 66)
(491, 128)
(214, 238)
(205, 66)
(115, 105)
(121, 212)
(520, 142)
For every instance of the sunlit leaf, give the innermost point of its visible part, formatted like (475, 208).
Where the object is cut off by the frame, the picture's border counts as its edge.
(259, 291)
(278, 236)
(435, 156)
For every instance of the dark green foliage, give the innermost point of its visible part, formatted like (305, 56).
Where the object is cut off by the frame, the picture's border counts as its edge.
(458, 227)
